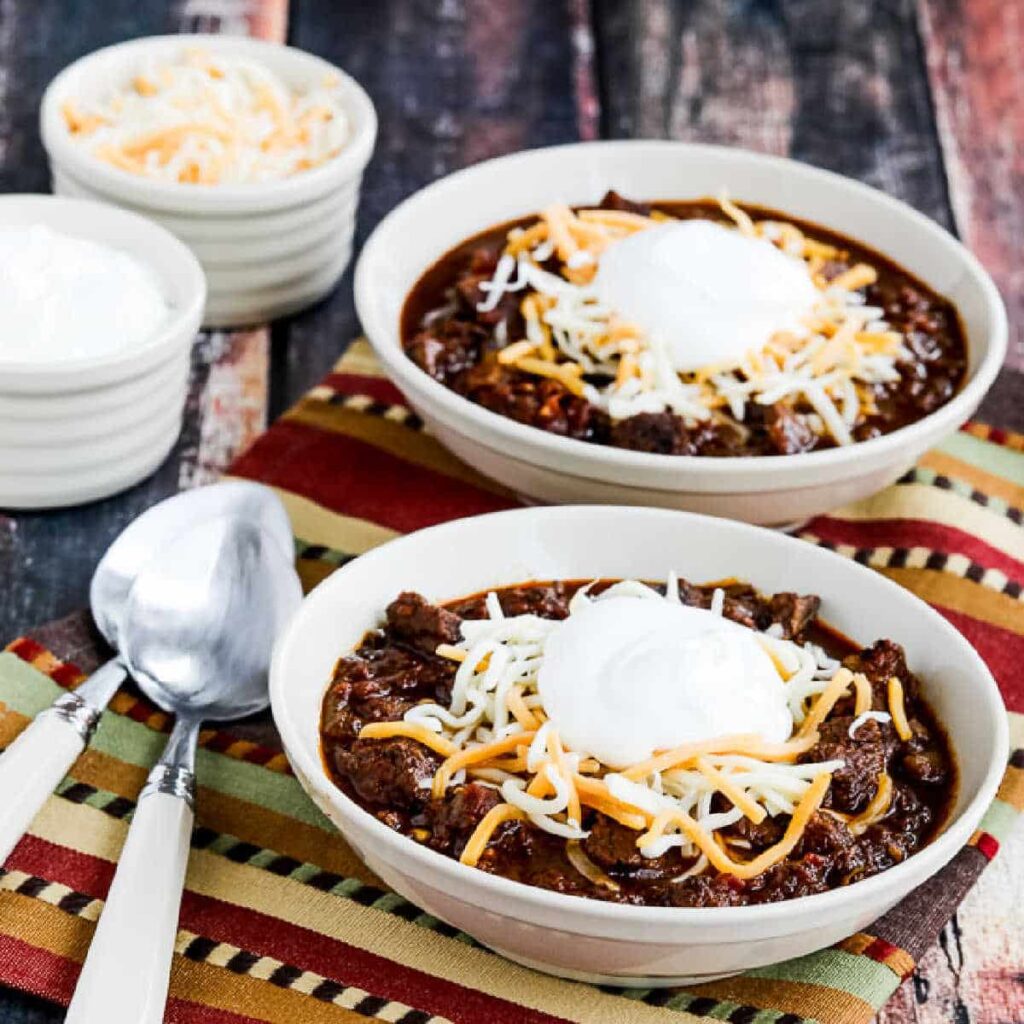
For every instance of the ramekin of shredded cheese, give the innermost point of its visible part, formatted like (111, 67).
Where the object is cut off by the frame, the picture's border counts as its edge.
(251, 152)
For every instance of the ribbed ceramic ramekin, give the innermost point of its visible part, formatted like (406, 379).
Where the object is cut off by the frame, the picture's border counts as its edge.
(267, 248)
(76, 430)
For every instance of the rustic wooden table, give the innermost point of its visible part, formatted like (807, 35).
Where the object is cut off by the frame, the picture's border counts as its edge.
(922, 98)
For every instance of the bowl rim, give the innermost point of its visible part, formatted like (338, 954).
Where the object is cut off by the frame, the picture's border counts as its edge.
(460, 878)
(603, 461)
(112, 368)
(240, 199)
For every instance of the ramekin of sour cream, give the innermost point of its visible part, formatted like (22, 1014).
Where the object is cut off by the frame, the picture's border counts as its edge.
(63, 297)
(98, 311)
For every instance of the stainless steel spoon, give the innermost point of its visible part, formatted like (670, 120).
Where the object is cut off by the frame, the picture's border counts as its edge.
(198, 641)
(40, 757)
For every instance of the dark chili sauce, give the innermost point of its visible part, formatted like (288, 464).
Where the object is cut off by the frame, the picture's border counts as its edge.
(395, 667)
(446, 336)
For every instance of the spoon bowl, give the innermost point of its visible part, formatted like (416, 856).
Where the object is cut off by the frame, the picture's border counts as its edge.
(165, 522)
(198, 636)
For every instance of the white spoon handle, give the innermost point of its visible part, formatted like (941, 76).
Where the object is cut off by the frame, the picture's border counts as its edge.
(125, 976)
(33, 765)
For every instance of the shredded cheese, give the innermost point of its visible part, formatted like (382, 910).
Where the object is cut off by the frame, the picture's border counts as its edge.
(898, 710)
(720, 860)
(865, 697)
(838, 685)
(876, 809)
(472, 755)
(731, 789)
(482, 833)
(824, 373)
(212, 119)
(410, 730)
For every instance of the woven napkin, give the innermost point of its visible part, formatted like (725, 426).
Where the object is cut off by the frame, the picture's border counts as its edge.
(280, 922)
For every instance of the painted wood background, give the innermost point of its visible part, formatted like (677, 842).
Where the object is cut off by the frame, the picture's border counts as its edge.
(923, 98)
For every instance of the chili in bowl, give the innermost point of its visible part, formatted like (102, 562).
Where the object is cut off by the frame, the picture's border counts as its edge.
(523, 742)
(667, 324)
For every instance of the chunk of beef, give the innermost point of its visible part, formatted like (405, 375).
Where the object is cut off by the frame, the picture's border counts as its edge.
(454, 818)
(338, 721)
(794, 612)
(707, 891)
(826, 836)
(393, 773)
(790, 878)
(613, 847)
(413, 620)
(447, 347)
(743, 604)
(789, 431)
(928, 765)
(761, 835)
(865, 757)
(662, 433)
(613, 201)
(880, 662)
(548, 601)
(536, 401)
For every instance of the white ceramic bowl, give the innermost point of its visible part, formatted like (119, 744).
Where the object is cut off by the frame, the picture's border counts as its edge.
(82, 429)
(583, 938)
(268, 249)
(539, 465)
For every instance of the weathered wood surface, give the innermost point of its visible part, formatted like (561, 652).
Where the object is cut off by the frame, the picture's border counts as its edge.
(975, 60)
(922, 98)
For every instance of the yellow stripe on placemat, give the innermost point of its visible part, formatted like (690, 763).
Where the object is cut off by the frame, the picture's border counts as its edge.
(359, 358)
(1011, 790)
(957, 469)
(91, 832)
(962, 595)
(919, 501)
(316, 524)
(805, 999)
(46, 927)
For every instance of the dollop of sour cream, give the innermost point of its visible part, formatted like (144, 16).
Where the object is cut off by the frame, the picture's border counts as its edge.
(64, 298)
(710, 294)
(626, 677)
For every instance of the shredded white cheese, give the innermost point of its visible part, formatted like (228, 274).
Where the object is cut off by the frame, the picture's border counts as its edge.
(824, 370)
(499, 661)
(211, 119)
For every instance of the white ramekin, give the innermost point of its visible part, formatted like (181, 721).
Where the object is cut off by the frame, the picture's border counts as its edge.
(588, 939)
(268, 249)
(76, 430)
(778, 489)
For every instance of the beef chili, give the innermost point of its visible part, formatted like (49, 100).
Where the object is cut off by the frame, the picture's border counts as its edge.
(884, 351)
(891, 782)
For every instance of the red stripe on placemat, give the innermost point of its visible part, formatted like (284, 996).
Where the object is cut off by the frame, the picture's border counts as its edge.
(26, 648)
(358, 479)
(349, 965)
(911, 533)
(182, 1011)
(36, 970)
(380, 389)
(269, 936)
(1000, 649)
(985, 843)
(79, 871)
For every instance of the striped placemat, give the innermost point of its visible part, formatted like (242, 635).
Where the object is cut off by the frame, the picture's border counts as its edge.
(282, 923)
